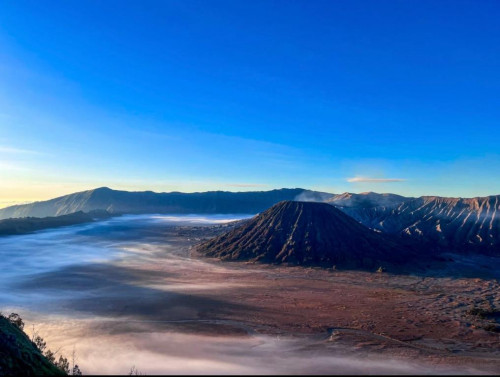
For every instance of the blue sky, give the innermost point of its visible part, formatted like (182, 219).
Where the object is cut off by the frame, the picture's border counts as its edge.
(386, 96)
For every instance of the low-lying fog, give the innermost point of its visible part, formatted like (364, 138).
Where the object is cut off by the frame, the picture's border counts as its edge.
(116, 292)
(34, 265)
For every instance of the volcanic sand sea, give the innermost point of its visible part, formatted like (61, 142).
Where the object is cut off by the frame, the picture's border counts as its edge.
(131, 291)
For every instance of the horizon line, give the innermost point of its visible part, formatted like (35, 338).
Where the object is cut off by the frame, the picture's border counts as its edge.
(28, 202)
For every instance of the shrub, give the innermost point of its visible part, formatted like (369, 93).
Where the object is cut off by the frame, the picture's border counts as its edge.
(41, 345)
(16, 320)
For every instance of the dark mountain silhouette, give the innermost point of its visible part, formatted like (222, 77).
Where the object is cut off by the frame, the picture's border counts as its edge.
(31, 224)
(307, 233)
(448, 224)
(120, 202)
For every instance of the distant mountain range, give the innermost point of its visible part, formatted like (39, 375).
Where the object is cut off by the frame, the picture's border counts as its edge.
(444, 223)
(366, 200)
(307, 233)
(121, 202)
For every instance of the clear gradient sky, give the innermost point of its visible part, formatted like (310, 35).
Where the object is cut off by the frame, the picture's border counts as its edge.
(386, 96)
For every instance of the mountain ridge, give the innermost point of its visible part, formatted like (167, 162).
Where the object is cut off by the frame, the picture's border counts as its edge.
(15, 226)
(367, 199)
(308, 233)
(454, 223)
(458, 224)
(135, 202)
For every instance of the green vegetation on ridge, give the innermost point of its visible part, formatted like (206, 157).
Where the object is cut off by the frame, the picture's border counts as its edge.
(22, 356)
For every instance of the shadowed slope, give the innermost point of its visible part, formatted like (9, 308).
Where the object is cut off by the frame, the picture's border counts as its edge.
(308, 233)
(454, 224)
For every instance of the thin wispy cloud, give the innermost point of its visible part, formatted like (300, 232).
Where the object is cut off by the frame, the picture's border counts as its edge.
(374, 180)
(11, 150)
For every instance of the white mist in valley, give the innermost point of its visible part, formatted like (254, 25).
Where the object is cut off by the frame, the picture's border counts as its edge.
(125, 292)
(111, 347)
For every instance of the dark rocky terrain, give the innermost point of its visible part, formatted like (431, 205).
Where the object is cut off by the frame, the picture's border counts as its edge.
(447, 224)
(19, 356)
(308, 233)
(125, 202)
(31, 224)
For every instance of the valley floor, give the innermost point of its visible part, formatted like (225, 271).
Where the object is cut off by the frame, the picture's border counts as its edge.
(165, 309)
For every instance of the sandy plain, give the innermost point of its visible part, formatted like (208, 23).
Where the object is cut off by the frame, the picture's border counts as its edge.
(163, 308)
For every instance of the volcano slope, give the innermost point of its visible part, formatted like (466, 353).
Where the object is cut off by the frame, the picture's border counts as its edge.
(442, 224)
(311, 234)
